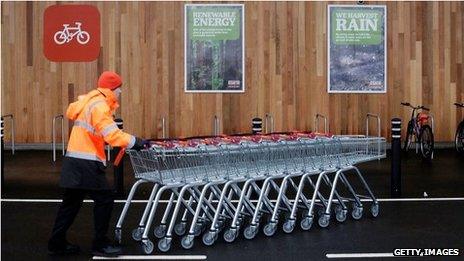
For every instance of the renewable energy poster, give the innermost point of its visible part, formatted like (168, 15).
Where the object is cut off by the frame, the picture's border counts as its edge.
(214, 48)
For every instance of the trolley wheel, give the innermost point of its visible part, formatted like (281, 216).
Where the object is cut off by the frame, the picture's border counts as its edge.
(288, 226)
(240, 221)
(375, 209)
(324, 221)
(220, 224)
(270, 229)
(229, 235)
(198, 229)
(180, 228)
(148, 247)
(306, 223)
(117, 235)
(340, 214)
(164, 244)
(357, 213)
(208, 238)
(249, 232)
(187, 242)
(160, 231)
(137, 233)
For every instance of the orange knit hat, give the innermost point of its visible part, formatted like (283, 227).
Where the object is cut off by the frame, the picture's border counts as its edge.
(110, 80)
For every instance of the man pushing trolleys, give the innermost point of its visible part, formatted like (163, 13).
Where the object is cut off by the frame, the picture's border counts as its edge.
(83, 171)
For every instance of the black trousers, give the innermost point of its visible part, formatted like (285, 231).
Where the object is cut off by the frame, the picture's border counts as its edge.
(72, 202)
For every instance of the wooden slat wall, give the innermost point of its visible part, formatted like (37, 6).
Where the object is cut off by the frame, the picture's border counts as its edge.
(286, 73)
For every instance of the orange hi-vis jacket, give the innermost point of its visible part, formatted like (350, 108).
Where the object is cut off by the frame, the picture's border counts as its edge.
(94, 125)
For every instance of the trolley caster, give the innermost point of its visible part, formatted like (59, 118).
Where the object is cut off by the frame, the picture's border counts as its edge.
(198, 229)
(187, 241)
(340, 214)
(270, 229)
(230, 235)
(180, 228)
(160, 231)
(209, 238)
(375, 209)
(288, 226)
(147, 247)
(324, 220)
(250, 232)
(240, 221)
(164, 244)
(306, 223)
(357, 213)
(137, 233)
(117, 235)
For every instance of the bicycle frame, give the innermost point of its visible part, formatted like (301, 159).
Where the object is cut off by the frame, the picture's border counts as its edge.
(70, 35)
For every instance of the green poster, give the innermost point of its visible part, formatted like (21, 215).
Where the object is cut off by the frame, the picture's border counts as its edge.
(356, 26)
(357, 50)
(214, 51)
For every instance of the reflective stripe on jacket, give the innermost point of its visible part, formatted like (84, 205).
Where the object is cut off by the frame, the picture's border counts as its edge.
(94, 125)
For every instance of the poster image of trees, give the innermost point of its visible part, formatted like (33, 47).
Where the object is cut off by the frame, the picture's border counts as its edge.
(214, 48)
(357, 49)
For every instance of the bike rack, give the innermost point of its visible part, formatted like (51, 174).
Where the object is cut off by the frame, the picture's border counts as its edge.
(163, 126)
(316, 123)
(371, 115)
(54, 135)
(216, 125)
(432, 125)
(269, 123)
(12, 131)
(432, 122)
(108, 152)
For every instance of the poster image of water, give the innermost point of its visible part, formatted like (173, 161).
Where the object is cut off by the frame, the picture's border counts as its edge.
(357, 49)
(214, 48)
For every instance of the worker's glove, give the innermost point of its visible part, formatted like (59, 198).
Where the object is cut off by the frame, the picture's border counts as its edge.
(140, 144)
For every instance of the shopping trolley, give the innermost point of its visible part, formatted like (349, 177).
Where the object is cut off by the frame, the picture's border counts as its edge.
(212, 182)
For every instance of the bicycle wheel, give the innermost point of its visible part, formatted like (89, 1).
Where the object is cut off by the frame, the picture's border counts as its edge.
(459, 138)
(426, 142)
(409, 133)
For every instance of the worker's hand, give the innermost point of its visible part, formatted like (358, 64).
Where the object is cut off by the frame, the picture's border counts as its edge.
(140, 144)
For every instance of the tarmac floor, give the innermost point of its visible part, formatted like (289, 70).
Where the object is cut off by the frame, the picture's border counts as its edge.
(417, 223)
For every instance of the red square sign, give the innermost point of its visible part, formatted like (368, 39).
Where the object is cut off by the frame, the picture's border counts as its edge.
(71, 33)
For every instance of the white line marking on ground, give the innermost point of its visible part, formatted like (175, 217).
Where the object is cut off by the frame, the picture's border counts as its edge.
(154, 257)
(234, 201)
(359, 255)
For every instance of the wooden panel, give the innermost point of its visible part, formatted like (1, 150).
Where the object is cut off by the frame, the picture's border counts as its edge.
(286, 61)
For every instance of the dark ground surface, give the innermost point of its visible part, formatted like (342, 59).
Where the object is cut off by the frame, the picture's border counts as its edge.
(426, 224)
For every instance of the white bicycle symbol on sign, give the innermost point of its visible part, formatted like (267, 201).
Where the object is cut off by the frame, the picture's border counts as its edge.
(68, 33)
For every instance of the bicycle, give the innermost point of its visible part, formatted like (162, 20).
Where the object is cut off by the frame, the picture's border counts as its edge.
(66, 35)
(459, 137)
(422, 132)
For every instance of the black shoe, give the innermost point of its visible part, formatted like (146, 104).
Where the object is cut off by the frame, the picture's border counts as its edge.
(68, 249)
(108, 251)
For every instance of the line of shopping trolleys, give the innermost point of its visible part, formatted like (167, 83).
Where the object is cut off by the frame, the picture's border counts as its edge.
(244, 182)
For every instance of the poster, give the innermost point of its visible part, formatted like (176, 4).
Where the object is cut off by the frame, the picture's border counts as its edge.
(357, 53)
(214, 48)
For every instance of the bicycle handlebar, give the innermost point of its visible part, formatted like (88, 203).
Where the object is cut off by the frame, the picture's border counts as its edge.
(418, 107)
(459, 104)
